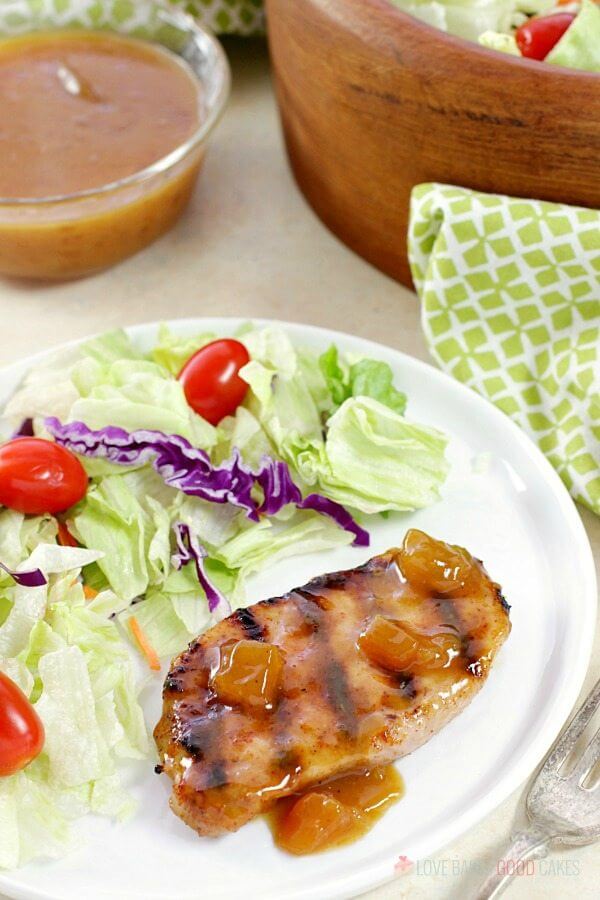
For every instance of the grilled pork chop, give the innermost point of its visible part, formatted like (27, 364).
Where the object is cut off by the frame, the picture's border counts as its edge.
(354, 670)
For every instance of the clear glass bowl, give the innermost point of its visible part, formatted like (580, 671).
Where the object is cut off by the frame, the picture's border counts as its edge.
(76, 234)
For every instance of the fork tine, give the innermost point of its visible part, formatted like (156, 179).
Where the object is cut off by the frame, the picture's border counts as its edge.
(573, 732)
(589, 759)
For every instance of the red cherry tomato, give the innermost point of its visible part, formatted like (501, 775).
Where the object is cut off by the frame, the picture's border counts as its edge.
(211, 382)
(21, 729)
(37, 476)
(536, 38)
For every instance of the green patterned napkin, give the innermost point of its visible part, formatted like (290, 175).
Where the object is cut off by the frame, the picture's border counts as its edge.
(510, 293)
(222, 16)
(227, 16)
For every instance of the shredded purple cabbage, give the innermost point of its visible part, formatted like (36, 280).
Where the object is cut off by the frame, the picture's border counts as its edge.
(33, 578)
(339, 514)
(190, 470)
(180, 465)
(277, 486)
(189, 550)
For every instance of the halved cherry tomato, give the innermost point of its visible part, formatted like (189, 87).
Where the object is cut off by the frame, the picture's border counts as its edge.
(37, 476)
(21, 729)
(536, 38)
(211, 382)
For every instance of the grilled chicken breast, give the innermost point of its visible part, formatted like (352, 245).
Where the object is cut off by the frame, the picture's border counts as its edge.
(358, 668)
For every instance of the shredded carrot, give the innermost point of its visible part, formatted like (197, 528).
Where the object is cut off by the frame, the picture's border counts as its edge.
(144, 644)
(65, 538)
(88, 592)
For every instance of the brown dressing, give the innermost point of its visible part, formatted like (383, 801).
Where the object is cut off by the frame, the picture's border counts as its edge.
(83, 109)
(336, 813)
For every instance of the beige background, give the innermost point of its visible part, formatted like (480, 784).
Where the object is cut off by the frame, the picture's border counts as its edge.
(249, 246)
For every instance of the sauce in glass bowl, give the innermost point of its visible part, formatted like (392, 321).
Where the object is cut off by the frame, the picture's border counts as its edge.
(82, 110)
(98, 149)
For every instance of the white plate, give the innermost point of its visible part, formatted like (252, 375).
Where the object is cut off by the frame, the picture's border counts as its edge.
(506, 504)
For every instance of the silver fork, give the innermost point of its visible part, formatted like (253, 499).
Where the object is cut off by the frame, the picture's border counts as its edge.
(561, 810)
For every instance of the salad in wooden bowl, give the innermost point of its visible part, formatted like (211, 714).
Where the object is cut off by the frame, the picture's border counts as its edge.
(374, 101)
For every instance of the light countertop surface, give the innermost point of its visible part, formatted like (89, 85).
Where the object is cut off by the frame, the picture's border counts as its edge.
(249, 246)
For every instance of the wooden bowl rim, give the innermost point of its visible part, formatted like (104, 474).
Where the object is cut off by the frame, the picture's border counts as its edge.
(396, 16)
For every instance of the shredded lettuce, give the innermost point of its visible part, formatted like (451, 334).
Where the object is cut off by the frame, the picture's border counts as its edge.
(376, 460)
(135, 394)
(493, 24)
(366, 455)
(270, 540)
(364, 378)
(73, 665)
(190, 550)
(503, 43)
(133, 536)
(110, 347)
(471, 18)
(172, 351)
(579, 47)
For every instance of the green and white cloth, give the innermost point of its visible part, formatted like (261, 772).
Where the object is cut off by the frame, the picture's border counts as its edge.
(221, 16)
(227, 16)
(510, 294)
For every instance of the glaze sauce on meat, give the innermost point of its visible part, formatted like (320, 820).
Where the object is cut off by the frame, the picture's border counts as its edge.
(335, 813)
(297, 705)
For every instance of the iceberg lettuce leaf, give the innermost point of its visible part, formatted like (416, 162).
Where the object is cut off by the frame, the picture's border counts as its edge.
(172, 351)
(579, 47)
(376, 460)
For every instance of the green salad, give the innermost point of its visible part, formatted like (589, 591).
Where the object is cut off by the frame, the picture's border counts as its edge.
(163, 515)
(561, 33)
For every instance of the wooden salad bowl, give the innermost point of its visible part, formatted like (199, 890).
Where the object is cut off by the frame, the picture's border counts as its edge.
(373, 102)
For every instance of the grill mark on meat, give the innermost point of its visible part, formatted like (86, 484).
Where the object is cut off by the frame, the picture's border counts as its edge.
(342, 580)
(338, 693)
(337, 580)
(174, 681)
(252, 629)
(173, 684)
(287, 755)
(201, 739)
(309, 608)
(469, 643)
(313, 597)
(198, 727)
(334, 675)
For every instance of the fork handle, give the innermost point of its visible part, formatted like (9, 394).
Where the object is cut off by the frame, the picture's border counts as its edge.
(529, 844)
